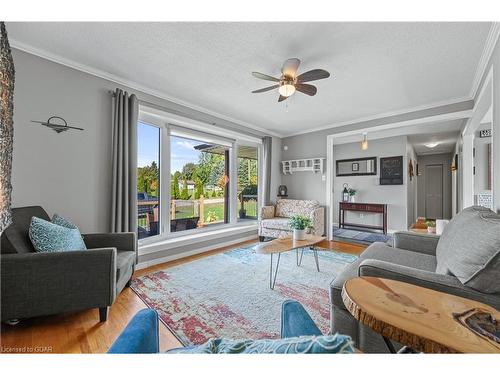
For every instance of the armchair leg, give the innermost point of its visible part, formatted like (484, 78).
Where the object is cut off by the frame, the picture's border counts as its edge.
(103, 313)
(261, 238)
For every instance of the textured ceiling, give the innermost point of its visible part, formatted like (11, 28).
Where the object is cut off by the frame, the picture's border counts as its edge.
(376, 67)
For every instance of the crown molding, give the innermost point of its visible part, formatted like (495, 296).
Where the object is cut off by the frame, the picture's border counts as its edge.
(489, 46)
(132, 84)
(383, 115)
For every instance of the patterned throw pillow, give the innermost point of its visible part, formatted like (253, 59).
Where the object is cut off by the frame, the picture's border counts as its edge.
(296, 345)
(50, 237)
(59, 220)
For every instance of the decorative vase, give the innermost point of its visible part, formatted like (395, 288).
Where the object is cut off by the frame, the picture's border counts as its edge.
(352, 199)
(299, 234)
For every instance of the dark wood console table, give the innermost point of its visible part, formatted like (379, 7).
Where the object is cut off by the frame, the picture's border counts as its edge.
(377, 208)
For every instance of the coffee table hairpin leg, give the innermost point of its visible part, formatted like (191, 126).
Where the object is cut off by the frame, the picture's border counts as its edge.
(272, 280)
(299, 260)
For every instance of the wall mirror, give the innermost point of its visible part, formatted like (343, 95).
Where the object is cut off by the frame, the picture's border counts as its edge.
(356, 167)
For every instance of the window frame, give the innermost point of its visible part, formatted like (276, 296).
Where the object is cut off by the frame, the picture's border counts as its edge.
(163, 120)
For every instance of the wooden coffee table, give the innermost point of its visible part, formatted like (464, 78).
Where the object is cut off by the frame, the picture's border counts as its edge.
(281, 245)
(423, 319)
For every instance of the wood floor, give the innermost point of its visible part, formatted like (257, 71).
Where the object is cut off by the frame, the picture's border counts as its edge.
(81, 332)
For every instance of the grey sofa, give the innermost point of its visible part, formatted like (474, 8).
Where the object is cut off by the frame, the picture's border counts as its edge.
(37, 284)
(464, 261)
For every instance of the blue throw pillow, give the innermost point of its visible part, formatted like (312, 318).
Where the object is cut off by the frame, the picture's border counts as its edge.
(295, 345)
(49, 237)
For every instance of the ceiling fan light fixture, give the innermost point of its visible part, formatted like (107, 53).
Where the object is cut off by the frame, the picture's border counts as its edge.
(364, 142)
(286, 90)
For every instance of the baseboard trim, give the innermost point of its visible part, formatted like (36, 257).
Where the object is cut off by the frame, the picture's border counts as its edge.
(200, 250)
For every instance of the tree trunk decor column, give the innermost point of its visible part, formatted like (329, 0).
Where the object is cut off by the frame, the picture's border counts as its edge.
(6, 127)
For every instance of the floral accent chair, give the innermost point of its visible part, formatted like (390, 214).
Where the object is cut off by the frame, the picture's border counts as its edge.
(273, 220)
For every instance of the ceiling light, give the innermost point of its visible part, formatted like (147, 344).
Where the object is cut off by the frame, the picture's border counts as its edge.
(431, 145)
(286, 90)
(364, 142)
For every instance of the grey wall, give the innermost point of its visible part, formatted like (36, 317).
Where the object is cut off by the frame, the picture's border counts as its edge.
(445, 160)
(69, 173)
(368, 188)
(314, 145)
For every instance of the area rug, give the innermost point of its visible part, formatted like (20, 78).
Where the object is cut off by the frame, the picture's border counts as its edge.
(361, 237)
(227, 295)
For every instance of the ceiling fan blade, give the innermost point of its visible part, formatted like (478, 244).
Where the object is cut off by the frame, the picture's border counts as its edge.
(264, 76)
(281, 98)
(290, 67)
(306, 89)
(265, 89)
(313, 75)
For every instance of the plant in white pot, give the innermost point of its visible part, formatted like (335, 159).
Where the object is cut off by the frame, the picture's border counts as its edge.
(299, 224)
(352, 194)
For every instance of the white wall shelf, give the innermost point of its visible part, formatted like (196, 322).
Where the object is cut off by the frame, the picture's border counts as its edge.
(314, 165)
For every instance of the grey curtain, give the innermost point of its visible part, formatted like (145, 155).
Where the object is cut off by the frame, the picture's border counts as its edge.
(6, 127)
(267, 143)
(124, 167)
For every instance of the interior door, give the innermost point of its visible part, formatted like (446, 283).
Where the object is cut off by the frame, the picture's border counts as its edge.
(434, 191)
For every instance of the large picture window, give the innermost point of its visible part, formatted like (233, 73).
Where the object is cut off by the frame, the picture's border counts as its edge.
(190, 180)
(199, 178)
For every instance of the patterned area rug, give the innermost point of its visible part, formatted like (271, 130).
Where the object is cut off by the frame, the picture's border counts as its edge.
(227, 295)
(357, 236)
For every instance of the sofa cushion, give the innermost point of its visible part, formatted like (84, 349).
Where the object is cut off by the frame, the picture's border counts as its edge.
(291, 207)
(469, 249)
(379, 251)
(276, 224)
(15, 239)
(49, 237)
(124, 261)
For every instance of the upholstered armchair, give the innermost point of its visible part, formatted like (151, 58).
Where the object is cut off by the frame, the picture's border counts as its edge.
(273, 220)
(44, 283)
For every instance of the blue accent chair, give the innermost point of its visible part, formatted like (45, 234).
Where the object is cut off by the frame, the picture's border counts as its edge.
(141, 334)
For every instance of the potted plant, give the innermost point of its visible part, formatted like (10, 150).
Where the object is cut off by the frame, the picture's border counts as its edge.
(352, 192)
(299, 224)
(431, 226)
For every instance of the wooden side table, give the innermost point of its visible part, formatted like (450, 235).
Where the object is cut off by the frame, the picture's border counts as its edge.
(423, 319)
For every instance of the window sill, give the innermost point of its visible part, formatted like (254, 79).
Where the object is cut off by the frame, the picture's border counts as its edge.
(163, 243)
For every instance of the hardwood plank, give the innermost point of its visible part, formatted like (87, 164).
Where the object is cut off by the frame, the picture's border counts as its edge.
(81, 332)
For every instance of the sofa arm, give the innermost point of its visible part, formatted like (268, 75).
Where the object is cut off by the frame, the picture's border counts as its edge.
(125, 241)
(417, 242)
(35, 284)
(141, 336)
(442, 283)
(318, 220)
(266, 212)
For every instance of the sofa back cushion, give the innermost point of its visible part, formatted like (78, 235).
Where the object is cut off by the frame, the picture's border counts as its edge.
(291, 207)
(15, 238)
(469, 249)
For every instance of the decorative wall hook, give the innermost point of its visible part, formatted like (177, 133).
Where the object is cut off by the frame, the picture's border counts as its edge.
(58, 128)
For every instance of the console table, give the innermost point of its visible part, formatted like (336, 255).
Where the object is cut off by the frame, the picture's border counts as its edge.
(377, 208)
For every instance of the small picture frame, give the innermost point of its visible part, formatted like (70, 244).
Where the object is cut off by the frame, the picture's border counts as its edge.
(355, 167)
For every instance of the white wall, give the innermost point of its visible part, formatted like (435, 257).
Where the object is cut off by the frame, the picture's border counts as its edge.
(368, 188)
(411, 191)
(69, 173)
(481, 165)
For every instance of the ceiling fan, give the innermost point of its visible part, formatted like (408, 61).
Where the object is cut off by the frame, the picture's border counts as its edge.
(289, 82)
